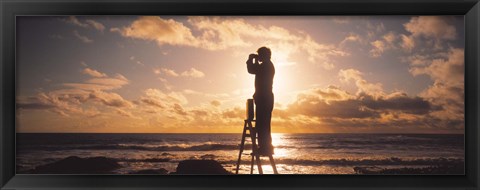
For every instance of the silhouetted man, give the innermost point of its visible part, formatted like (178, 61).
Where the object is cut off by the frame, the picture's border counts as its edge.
(263, 69)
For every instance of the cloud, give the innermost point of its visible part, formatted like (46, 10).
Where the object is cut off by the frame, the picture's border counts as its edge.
(378, 48)
(336, 110)
(179, 109)
(314, 106)
(446, 69)
(152, 102)
(93, 73)
(399, 102)
(87, 24)
(352, 75)
(352, 37)
(157, 71)
(408, 42)
(165, 83)
(193, 73)
(446, 93)
(169, 72)
(379, 28)
(447, 72)
(170, 98)
(433, 30)
(332, 93)
(98, 26)
(171, 107)
(428, 32)
(373, 29)
(109, 99)
(386, 42)
(417, 60)
(169, 104)
(81, 99)
(84, 39)
(320, 53)
(114, 83)
(438, 108)
(160, 30)
(62, 104)
(210, 95)
(34, 106)
(104, 83)
(390, 37)
(83, 64)
(125, 113)
(132, 58)
(333, 102)
(121, 77)
(215, 33)
(431, 26)
(75, 21)
(215, 103)
(235, 112)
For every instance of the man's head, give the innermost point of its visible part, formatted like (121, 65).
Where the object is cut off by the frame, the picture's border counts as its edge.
(264, 54)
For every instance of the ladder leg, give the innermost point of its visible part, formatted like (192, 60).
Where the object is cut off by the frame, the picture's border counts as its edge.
(242, 144)
(251, 165)
(272, 162)
(259, 164)
(253, 134)
(254, 146)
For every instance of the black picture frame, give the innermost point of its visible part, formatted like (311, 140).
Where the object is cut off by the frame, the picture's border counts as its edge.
(9, 9)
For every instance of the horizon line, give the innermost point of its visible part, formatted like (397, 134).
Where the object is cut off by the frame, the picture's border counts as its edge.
(235, 133)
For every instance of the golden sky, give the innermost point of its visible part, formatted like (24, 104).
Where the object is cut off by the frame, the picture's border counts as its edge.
(172, 74)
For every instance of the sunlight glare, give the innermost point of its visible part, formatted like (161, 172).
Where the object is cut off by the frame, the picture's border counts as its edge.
(277, 141)
(284, 78)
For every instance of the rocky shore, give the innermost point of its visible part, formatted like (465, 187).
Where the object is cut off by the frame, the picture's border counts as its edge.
(103, 165)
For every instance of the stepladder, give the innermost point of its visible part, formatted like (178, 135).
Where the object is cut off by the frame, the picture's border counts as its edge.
(250, 131)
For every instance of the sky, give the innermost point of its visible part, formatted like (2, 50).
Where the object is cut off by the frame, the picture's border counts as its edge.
(187, 74)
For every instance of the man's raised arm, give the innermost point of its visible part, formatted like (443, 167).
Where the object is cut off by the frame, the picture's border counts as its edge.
(251, 67)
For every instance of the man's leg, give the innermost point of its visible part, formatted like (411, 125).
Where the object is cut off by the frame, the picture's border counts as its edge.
(268, 133)
(268, 118)
(264, 107)
(261, 124)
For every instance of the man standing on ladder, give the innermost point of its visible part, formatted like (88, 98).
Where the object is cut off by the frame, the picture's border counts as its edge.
(262, 67)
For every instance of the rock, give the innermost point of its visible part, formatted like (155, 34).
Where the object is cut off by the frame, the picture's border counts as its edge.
(159, 171)
(77, 165)
(200, 167)
(167, 154)
(368, 170)
(208, 157)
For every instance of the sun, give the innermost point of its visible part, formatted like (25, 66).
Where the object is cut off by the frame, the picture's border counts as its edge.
(283, 83)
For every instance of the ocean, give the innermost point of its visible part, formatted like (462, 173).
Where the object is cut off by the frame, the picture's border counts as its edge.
(294, 153)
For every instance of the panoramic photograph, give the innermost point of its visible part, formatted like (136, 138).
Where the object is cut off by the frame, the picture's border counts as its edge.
(221, 95)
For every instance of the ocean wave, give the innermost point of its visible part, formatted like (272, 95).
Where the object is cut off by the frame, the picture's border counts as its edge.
(145, 160)
(393, 161)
